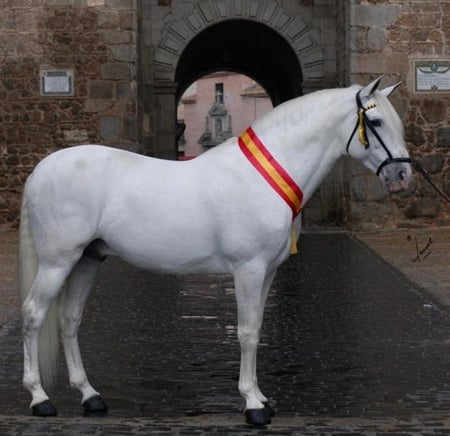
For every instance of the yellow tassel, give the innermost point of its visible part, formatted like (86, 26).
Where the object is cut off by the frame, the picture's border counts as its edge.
(362, 129)
(294, 249)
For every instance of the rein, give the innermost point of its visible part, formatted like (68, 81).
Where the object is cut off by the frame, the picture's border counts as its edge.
(361, 123)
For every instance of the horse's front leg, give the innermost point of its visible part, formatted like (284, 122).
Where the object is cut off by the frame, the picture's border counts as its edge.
(252, 287)
(79, 284)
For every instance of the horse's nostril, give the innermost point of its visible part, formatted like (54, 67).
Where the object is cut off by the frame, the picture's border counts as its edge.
(401, 175)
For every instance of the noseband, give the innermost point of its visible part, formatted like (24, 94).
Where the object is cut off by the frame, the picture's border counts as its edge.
(361, 123)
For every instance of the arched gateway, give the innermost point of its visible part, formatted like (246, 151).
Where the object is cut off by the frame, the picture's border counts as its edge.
(274, 42)
(259, 38)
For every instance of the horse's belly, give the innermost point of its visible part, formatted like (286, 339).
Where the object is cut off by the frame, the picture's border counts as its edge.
(171, 257)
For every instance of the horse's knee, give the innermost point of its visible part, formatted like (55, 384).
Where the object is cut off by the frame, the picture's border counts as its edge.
(248, 337)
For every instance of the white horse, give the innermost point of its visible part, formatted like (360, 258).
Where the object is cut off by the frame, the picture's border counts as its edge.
(239, 203)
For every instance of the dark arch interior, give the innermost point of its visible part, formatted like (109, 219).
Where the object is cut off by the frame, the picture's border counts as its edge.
(245, 47)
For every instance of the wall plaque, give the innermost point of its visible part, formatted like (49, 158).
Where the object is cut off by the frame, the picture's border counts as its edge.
(431, 76)
(56, 82)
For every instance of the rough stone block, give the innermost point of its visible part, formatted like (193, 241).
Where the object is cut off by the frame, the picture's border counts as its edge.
(371, 212)
(117, 37)
(3, 203)
(109, 129)
(108, 20)
(433, 163)
(128, 21)
(414, 134)
(397, 64)
(358, 189)
(369, 63)
(447, 188)
(124, 53)
(130, 127)
(376, 39)
(120, 4)
(434, 110)
(443, 137)
(99, 89)
(375, 190)
(92, 106)
(116, 71)
(423, 208)
(76, 136)
(125, 90)
(375, 15)
(95, 3)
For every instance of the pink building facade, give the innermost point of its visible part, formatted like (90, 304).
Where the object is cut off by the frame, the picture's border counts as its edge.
(217, 107)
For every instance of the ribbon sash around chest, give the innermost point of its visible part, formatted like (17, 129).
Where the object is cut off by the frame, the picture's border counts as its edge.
(258, 155)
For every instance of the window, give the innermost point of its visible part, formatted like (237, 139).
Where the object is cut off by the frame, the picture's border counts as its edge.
(219, 93)
(219, 126)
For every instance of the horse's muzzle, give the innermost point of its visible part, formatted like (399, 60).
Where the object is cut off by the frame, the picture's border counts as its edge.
(396, 175)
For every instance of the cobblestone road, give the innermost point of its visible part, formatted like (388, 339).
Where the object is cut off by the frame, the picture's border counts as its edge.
(350, 346)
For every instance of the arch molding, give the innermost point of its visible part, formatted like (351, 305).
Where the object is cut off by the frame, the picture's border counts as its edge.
(178, 32)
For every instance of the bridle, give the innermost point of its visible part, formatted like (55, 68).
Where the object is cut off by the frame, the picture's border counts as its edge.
(362, 123)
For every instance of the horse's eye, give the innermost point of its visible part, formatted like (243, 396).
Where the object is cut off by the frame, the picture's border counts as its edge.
(375, 122)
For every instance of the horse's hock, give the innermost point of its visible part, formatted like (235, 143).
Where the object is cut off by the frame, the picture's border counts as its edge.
(131, 61)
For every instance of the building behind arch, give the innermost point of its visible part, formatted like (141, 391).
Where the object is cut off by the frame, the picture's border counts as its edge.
(217, 107)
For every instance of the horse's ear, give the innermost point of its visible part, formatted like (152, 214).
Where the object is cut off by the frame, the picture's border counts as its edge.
(390, 89)
(371, 88)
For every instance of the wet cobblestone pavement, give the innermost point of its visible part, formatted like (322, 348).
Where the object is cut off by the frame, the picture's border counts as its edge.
(349, 346)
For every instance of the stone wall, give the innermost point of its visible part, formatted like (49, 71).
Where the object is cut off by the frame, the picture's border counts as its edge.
(341, 42)
(95, 38)
(385, 38)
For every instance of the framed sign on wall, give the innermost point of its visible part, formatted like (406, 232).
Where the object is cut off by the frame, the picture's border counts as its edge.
(56, 82)
(431, 76)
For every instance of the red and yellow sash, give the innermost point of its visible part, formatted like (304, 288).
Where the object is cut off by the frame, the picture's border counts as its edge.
(273, 173)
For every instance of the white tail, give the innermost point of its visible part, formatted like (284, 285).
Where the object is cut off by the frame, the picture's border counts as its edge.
(28, 269)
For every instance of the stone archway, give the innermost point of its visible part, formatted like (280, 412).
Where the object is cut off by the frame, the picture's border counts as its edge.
(259, 38)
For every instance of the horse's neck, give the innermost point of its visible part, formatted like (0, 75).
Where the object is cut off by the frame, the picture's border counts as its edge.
(307, 141)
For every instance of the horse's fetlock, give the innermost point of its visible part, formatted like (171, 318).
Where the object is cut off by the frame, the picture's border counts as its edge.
(31, 383)
(78, 382)
(246, 389)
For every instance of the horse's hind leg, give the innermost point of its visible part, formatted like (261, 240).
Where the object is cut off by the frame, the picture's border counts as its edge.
(79, 285)
(46, 286)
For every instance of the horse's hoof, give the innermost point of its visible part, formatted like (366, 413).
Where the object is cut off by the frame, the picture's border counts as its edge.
(257, 416)
(95, 406)
(269, 409)
(46, 408)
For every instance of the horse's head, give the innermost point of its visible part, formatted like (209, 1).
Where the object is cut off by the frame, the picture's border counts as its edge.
(377, 139)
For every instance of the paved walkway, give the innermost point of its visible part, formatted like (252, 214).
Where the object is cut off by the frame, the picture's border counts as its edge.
(423, 255)
(350, 345)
